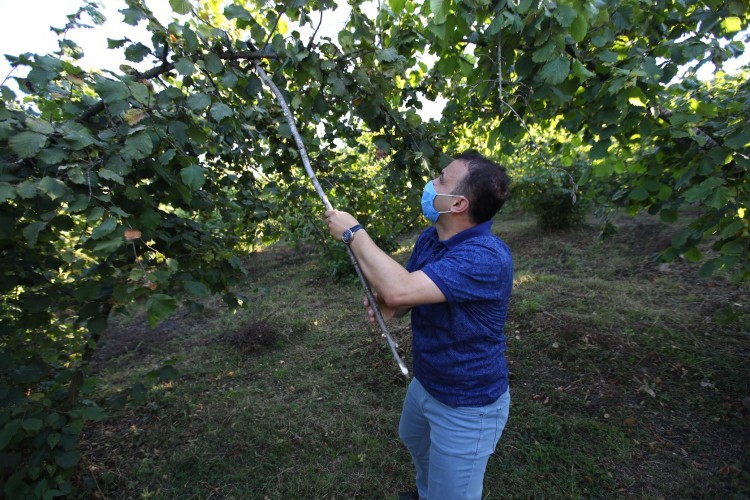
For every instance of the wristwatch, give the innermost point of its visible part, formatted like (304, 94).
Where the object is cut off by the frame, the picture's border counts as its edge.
(349, 234)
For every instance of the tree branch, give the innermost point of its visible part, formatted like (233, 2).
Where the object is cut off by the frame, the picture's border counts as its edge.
(500, 70)
(312, 38)
(166, 67)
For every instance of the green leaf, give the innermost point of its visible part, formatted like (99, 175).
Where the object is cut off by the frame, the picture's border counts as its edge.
(230, 80)
(387, 55)
(220, 111)
(738, 140)
(7, 192)
(52, 156)
(111, 90)
(54, 188)
(136, 52)
(31, 232)
(578, 28)
(26, 189)
(565, 14)
(132, 16)
(112, 176)
(581, 72)
(413, 119)
(237, 12)
(397, 6)
(637, 101)
(160, 306)
(106, 247)
(167, 156)
(104, 228)
(140, 92)
(285, 130)
(39, 126)
(440, 8)
(27, 144)
(185, 66)
(94, 214)
(32, 424)
(338, 87)
(693, 254)
(702, 190)
(720, 156)
(8, 432)
(731, 25)
(731, 230)
(719, 197)
(545, 52)
(138, 146)
(77, 136)
(181, 6)
(734, 248)
(53, 439)
(67, 459)
(193, 177)
(119, 211)
(439, 30)
(116, 43)
(638, 194)
(555, 71)
(346, 40)
(525, 5)
(179, 131)
(196, 288)
(214, 64)
(708, 268)
(680, 238)
(93, 413)
(199, 101)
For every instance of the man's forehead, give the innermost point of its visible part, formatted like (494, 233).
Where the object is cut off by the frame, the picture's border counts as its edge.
(456, 168)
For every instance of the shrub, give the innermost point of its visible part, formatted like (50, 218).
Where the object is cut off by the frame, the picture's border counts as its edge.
(549, 195)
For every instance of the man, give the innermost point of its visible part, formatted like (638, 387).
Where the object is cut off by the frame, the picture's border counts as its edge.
(457, 285)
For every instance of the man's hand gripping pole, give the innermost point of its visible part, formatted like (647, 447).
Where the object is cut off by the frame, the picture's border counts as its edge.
(306, 162)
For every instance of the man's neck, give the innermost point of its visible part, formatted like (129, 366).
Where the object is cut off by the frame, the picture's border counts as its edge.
(447, 229)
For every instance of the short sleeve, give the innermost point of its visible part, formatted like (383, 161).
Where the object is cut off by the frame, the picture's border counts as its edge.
(474, 270)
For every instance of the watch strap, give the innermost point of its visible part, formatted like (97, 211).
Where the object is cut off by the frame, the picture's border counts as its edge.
(349, 233)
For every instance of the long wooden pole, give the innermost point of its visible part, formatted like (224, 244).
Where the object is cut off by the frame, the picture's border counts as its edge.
(308, 168)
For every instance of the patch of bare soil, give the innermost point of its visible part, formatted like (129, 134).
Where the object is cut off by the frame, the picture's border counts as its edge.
(254, 337)
(136, 337)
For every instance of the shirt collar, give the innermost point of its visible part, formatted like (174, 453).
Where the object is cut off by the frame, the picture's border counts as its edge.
(479, 229)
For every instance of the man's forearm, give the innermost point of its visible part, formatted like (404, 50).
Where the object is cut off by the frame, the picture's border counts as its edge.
(381, 271)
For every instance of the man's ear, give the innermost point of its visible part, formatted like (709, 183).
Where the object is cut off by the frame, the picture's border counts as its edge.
(460, 205)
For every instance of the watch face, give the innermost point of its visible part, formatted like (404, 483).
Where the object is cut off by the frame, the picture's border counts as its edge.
(347, 237)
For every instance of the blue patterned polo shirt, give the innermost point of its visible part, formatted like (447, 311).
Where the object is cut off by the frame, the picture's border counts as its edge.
(458, 346)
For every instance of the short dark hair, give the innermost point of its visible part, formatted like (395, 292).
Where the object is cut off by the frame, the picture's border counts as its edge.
(485, 185)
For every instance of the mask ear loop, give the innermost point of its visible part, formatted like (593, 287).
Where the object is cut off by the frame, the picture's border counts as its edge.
(451, 195)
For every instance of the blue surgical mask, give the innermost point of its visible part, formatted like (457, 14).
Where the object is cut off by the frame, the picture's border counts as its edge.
(428, 202)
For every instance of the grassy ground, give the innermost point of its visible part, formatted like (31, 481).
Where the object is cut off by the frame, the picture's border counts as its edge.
(622, 383)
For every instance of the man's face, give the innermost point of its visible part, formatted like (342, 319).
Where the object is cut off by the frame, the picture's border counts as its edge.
(447, 181)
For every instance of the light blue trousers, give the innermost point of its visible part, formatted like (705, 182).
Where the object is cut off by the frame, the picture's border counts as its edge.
(450, 446)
